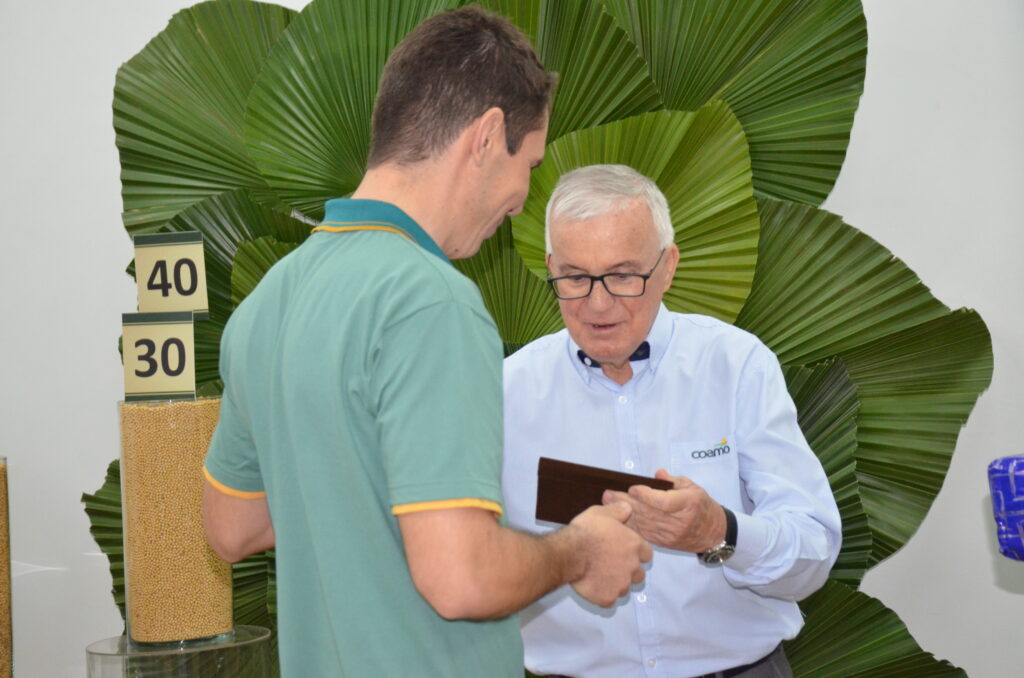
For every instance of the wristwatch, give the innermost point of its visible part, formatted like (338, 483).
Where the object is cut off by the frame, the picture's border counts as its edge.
(721, 553)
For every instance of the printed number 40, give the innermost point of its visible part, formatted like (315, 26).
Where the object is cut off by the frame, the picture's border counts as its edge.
(158, 279)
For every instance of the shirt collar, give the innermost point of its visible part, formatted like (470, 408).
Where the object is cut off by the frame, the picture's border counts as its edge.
(357, 212)
(658, 340)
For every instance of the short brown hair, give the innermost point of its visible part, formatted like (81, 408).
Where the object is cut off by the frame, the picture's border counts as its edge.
(446, 73)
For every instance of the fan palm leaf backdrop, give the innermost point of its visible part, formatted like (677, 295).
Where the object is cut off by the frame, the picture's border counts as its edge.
(241, 118)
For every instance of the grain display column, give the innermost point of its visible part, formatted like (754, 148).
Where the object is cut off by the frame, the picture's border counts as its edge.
(6, 644)
(178, 590)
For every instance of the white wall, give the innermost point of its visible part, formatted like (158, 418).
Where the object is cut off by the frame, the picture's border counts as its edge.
(932, 173)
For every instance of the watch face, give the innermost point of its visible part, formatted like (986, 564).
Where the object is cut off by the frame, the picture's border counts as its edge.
(717, 555)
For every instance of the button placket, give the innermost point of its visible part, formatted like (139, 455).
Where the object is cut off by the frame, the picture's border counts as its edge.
(625, 420)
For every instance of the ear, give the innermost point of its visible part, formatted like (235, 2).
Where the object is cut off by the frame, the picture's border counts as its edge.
(487, 134)
(547, 262)
(672, 255)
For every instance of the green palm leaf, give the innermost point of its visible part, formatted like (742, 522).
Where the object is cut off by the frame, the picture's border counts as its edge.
(521, 304)
(252, 600)
(700, 161)
(826, 401)
(792, 70)
(849, 634)
(602, 77)
(797, 100)
(104, 511)
(253, 259)
(308, 121)
(179, 107)
(823, 288)
(916, 389)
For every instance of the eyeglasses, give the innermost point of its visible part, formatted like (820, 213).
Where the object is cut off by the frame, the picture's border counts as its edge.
(578, 286)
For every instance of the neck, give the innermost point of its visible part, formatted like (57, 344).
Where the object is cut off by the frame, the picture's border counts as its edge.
(425, 191)
(620, 374)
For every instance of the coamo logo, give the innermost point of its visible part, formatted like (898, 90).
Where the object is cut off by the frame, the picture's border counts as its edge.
(716, 451)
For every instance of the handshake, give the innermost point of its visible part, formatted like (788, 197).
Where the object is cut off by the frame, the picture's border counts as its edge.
(467, 566)
(613, 540)
(607, 556)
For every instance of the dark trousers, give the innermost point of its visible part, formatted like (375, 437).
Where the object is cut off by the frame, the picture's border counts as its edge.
(772, 665)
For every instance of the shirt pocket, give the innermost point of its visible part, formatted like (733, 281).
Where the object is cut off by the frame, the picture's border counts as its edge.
(714, 465)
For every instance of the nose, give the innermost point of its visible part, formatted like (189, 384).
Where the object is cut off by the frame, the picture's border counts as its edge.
(516, 211)
(600, 300)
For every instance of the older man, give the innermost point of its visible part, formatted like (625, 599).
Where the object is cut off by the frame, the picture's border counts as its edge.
(751, 525)
(360, 427)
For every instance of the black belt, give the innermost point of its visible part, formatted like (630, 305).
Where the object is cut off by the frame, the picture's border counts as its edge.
(728, 673)
(737, 670)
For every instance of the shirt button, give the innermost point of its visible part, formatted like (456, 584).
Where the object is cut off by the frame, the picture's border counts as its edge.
(641, 598)
(629, 463)
(623, 399)
(652, 662)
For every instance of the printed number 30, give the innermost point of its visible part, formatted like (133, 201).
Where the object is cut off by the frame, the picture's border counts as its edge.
(149, 350)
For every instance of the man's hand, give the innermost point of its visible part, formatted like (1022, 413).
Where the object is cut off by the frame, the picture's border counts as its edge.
(684, 518)
(610, 555)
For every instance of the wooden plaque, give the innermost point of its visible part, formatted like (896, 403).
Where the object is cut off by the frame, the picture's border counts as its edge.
(565, 489)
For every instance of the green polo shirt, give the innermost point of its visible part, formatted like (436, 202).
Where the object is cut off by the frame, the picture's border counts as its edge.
(362, 379)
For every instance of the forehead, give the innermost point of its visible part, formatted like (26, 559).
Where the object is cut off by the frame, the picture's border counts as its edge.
(624, 235)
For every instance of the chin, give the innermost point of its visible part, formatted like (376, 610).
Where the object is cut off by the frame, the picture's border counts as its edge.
(601, 352)
(464, 254)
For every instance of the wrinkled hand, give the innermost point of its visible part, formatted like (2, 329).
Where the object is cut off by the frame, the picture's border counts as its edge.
(612, 554)
(684, 518)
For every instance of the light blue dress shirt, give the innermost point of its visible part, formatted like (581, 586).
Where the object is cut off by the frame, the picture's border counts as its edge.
(710, 404)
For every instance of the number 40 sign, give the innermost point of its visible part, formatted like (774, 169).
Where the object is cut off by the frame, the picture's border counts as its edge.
(170, 272)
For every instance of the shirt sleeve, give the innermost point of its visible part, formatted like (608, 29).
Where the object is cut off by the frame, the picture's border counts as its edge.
(439, 404)
(789, 541)
(232, 465)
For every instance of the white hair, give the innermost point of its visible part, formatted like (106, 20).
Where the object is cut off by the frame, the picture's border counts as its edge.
(596, 190)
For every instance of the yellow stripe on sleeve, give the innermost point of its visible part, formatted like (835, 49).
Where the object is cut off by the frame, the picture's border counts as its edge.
(230, 491)
(470, 502)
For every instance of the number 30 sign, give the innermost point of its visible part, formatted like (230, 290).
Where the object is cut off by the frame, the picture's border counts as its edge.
(159, 363)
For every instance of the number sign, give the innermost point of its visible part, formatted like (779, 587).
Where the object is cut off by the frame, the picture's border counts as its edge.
(170, 272)
(159, 362)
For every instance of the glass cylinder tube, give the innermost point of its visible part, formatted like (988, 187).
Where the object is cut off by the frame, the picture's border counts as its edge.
(178, 590)
(6, 644)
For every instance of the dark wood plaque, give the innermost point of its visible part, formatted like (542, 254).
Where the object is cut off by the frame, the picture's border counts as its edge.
(565, 489)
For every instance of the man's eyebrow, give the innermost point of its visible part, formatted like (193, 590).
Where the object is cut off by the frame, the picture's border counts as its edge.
(611, 269)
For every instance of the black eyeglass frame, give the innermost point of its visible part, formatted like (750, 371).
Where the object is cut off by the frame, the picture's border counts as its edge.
(600, 278)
